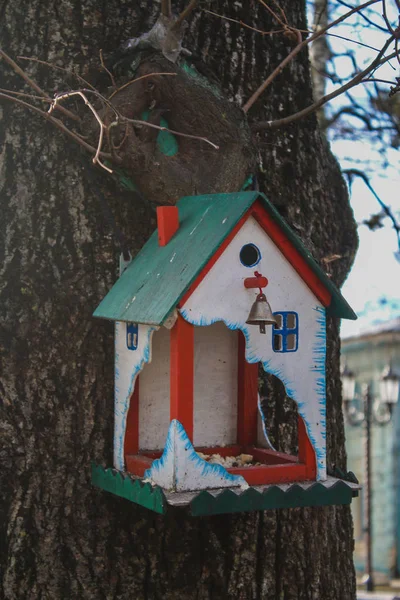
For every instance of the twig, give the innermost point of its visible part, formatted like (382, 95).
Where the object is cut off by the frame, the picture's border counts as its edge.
(290, 32)
(124, 119)
(34, 85)
(123, 139)
(57, 68)
(166, 8)
(137, 79)
(298, 49)
(24, 95)
(106, 70)
(178, 133)
(120, 118)
(281, 11)
(363, 16)
(355, 172)
(346, 39)
(313, 107)
(60, 97)
(242, 23)
(184, 15)
(269, 9)
(59, 124)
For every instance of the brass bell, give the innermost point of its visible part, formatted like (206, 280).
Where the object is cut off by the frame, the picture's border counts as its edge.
(261, 313)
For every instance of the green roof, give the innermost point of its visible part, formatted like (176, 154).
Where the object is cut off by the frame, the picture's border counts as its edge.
(155, 281)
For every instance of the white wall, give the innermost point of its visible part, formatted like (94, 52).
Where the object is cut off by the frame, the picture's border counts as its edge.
(154, 394)
(215, 385)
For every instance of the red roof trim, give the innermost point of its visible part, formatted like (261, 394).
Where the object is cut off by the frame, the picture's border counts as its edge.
(283, 244)
(290, 253)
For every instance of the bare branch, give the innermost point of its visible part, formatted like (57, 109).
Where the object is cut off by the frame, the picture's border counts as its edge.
(137, 79)
(106, 70)
(59, 124)
(313, 107)
(119, 119)
(57, 68)
(103, 127)
(242, 23)
(363, 16)
(178, 133)
(24, 95)
(386, 209)
(123, 119)
(166, 8)
(298, 49)
(32, 84)
(184, 14)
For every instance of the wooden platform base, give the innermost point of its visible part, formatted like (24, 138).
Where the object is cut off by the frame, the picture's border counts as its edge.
(333, 491)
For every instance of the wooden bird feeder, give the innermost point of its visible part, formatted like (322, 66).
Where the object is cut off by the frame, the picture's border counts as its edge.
(222, 287)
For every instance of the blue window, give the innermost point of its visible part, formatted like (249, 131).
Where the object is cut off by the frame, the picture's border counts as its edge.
(285, 334)
(132, 334)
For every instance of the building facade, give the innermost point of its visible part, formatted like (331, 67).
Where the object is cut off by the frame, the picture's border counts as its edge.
(366, 355)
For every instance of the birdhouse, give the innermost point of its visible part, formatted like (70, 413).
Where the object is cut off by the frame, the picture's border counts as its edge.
(221, 289)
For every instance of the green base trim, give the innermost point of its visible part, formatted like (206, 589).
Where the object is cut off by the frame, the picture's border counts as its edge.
(227, 501)
(271, 498)
(125, 486)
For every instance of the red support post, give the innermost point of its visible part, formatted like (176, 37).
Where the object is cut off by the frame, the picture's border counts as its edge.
(247, 397)
(182, 374)
(131, 442)
(306, 451)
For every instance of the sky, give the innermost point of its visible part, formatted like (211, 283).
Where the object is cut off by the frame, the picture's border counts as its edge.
(373, 285)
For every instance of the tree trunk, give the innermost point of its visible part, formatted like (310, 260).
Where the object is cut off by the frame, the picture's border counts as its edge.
(59, 537)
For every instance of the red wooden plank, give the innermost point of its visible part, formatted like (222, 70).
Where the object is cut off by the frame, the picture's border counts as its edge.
(306, 451)
(131, 441)
(290, 252)
(167, 223)
(271, 473)
(152, 453)
(137, 464)
(182, 374)
(270, 457)
(247, 397)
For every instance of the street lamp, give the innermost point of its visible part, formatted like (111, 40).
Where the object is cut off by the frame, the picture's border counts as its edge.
(377, 410)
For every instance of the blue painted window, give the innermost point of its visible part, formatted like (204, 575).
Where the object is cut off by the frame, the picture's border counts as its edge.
(132, 335)
(285, 334)
(250, 255)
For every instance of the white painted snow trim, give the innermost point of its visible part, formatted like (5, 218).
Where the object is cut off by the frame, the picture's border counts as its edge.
(181, 469)
(128, 364)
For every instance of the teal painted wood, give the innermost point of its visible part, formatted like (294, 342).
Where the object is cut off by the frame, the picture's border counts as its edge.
(158, 277)
(272, 498)
(121, 484)
(204, 503)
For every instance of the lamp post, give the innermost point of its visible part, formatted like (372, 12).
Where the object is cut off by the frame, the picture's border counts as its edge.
(377, 410)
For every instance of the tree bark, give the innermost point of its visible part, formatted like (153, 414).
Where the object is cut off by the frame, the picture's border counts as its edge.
(59, 537)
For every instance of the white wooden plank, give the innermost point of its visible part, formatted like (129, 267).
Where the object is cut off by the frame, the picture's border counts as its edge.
(154, 394)
(215, 385)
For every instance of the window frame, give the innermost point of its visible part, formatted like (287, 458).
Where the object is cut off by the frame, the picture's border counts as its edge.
(284, 331)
